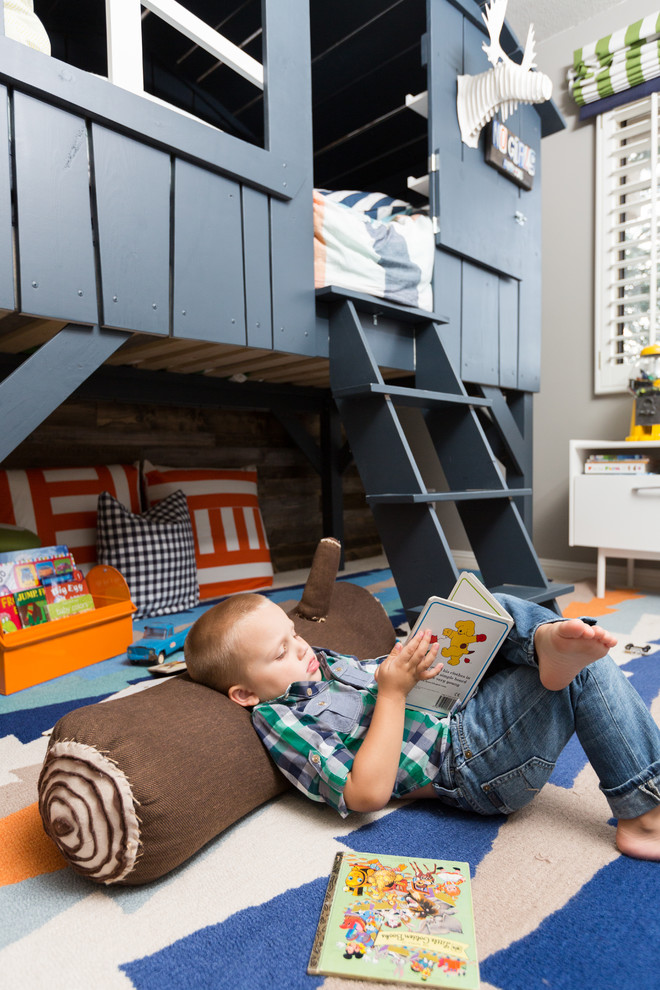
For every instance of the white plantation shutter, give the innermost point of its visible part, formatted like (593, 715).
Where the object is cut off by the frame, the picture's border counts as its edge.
(627, 250)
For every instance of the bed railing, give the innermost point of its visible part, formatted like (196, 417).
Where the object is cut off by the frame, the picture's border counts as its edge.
(124, 40)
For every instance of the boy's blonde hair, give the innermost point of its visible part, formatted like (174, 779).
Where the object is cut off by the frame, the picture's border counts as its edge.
(211, 647)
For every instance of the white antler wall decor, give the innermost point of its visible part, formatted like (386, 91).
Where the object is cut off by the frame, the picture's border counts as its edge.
(504, 86)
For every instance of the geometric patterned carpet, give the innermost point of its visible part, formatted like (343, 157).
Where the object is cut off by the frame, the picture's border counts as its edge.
(556, 906)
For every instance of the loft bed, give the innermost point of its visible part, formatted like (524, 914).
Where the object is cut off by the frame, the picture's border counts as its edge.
(156, 227)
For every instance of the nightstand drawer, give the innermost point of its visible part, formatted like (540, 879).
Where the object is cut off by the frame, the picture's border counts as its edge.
(620, 512)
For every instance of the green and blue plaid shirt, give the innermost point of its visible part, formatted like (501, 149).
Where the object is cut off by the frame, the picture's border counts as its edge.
(314, 731)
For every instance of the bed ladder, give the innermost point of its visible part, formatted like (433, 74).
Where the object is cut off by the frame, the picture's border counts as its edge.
(403, 507)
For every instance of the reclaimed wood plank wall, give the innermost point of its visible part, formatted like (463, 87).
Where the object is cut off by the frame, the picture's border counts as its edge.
(80, 433)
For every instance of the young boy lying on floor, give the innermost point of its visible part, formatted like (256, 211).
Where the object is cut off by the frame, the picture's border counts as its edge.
(339, 729)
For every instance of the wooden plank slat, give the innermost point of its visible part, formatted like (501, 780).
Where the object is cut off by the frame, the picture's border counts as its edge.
(256, 260)
(208, 356)
(209, 301)
(132, 186)
(508, 320)
(55, 246)
(7, 300)
(141, 347)
(33, 333)
(480, 344)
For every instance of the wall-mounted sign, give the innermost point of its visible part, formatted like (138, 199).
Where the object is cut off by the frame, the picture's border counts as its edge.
(510, 156)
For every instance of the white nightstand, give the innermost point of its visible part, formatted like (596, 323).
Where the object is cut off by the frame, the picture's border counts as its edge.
(619, 514)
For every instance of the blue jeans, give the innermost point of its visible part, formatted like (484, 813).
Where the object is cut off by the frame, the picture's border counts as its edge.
(506, 741)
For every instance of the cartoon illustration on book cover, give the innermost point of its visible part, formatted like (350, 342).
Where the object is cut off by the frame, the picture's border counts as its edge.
(405, 921)
(470, 625)
(460, 639)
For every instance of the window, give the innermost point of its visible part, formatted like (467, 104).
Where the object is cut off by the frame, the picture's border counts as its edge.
(627, 251)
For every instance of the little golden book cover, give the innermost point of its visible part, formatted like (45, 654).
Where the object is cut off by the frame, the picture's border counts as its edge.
(398, 920)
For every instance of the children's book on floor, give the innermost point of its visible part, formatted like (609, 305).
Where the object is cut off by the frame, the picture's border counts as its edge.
(398, 920)
(470, 625)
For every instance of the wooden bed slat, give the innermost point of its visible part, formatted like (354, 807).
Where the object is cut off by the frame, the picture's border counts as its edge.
(206, 358)
(31, 333)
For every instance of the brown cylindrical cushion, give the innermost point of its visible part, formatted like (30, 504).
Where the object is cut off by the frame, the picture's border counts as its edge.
(133, 787)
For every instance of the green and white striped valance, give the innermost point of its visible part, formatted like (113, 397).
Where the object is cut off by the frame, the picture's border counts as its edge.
(617, 62)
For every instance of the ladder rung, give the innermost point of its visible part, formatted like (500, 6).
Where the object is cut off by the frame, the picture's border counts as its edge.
(534, 594)
(405, 396)
(380, 307)
(524, 591)
(474, 494)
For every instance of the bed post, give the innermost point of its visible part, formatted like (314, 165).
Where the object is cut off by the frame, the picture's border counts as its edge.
(288, 133)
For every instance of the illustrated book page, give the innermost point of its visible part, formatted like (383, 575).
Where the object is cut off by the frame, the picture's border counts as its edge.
(398, 920)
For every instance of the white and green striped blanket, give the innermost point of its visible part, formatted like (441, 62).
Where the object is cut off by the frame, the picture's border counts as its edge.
(617, 62)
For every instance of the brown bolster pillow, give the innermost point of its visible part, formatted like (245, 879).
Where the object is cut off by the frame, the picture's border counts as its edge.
(133, 787)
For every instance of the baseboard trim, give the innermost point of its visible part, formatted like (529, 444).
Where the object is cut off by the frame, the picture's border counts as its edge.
(572, 572)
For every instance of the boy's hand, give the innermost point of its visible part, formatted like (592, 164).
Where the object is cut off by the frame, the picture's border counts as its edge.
(406, 665)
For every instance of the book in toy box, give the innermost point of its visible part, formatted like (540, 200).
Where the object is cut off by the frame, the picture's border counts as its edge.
(23, 569)
(31, 606)
(68, 597)
(44, 584)
(10, 620)
(403, 920)
(471, 625)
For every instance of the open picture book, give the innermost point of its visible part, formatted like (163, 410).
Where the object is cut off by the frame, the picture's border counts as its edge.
(470, 626)
(398, 920)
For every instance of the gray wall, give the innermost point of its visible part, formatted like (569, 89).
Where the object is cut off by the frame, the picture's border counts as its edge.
(566, 407)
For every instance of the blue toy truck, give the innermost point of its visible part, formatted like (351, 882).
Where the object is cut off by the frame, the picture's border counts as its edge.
(157, 643)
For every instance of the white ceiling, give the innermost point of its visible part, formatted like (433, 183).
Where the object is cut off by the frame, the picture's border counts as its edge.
(552, 16)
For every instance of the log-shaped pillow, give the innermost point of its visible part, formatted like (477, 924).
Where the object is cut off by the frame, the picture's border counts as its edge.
(133, 787)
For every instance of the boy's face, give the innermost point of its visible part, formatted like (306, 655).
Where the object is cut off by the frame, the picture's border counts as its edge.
(274, 656)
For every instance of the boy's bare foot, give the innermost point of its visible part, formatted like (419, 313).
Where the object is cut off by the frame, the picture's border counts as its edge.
(564, 648)
(640, 837)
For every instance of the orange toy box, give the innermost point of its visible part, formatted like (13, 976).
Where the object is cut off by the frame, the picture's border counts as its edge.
(39, 653)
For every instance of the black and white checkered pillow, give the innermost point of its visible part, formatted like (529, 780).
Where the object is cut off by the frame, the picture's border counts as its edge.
(155, 552)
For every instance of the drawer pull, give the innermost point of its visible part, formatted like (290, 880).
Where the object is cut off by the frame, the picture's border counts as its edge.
(651, 489)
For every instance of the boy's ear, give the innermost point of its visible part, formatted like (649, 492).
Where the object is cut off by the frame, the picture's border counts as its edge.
(242, 696)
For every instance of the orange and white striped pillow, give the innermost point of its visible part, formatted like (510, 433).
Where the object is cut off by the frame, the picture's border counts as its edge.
(59, 504)
(231, 546)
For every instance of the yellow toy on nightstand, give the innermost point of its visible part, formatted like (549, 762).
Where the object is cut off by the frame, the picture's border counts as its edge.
(645, 421)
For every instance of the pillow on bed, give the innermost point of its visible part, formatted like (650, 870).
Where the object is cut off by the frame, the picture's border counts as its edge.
(154, 552)
(375, 205)
(60, 503)
(22, 24)
(391, 260)
(231, 547)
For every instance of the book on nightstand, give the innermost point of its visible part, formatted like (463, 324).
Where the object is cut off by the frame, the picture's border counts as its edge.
(398, 920)
(618, 464)
(471, 625)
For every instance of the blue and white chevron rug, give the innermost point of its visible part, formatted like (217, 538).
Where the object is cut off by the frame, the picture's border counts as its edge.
(556, 906)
